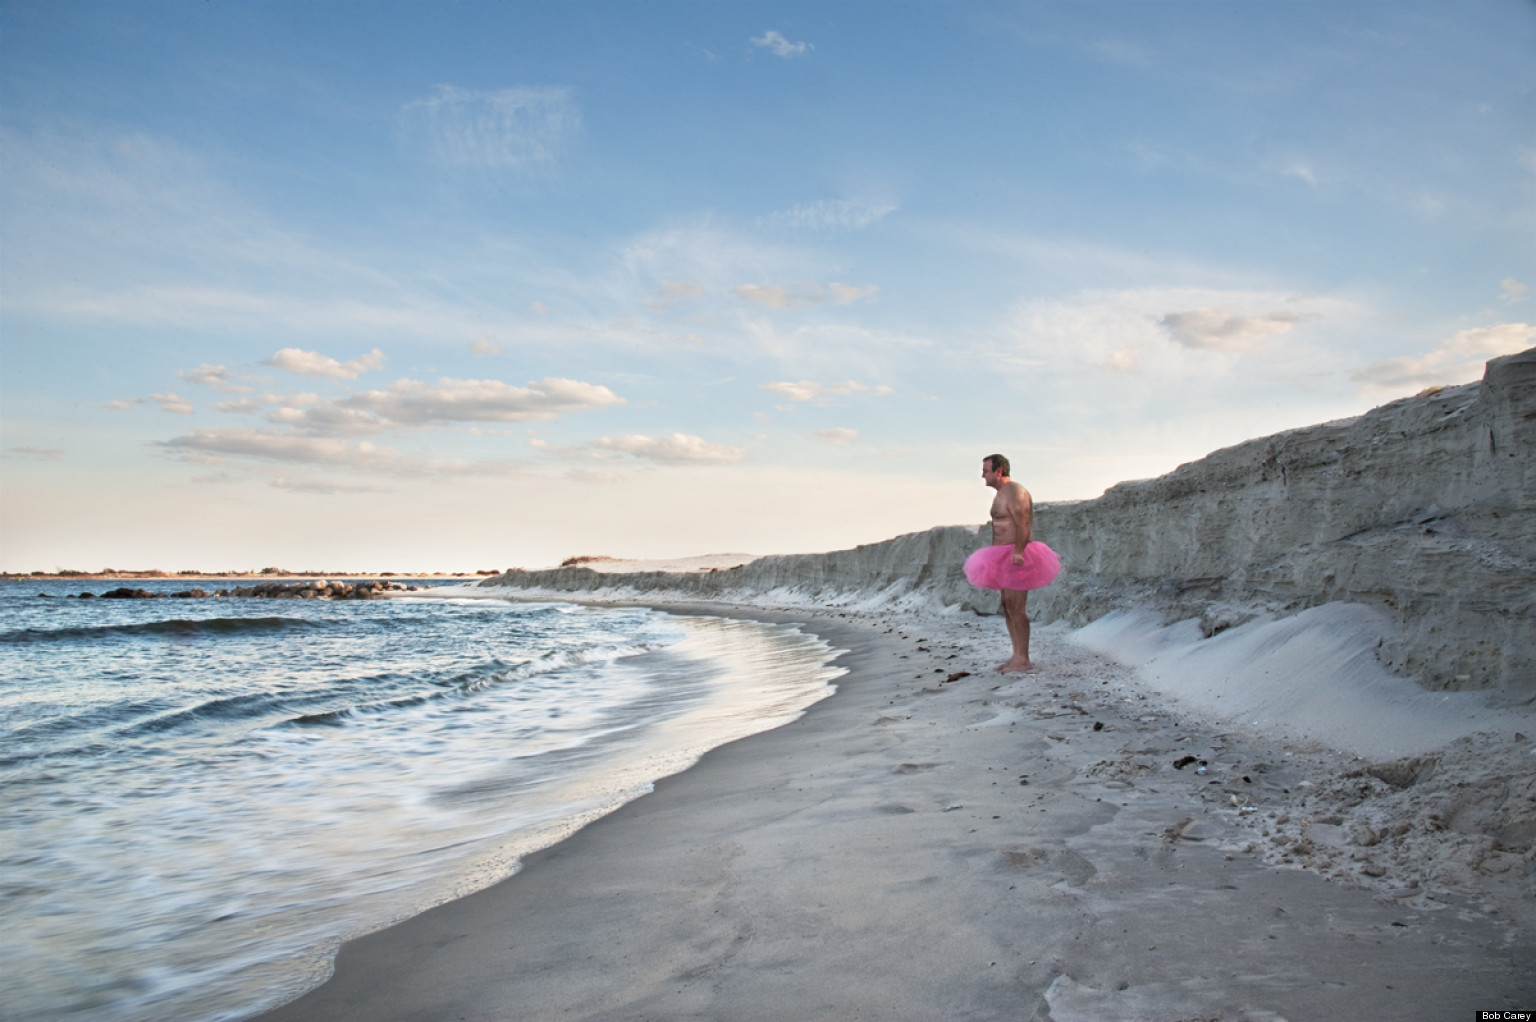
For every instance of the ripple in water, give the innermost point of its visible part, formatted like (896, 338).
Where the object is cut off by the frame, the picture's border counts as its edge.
(198, 811)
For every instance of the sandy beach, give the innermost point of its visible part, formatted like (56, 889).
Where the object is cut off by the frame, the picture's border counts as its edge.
(937, 841)
(1277, 762)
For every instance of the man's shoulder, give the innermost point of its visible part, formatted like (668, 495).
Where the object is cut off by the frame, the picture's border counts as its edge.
(1015, 491)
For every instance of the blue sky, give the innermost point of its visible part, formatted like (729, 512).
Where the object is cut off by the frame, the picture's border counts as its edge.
(450, 286)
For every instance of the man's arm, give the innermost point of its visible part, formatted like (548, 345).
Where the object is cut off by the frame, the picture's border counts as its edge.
(1021, 508)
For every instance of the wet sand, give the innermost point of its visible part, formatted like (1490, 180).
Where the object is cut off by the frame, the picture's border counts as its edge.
(927, 845)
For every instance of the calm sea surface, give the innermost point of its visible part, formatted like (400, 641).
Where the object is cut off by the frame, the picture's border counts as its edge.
(200, 799)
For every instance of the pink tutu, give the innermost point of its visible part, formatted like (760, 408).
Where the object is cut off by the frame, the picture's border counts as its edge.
(992, 567)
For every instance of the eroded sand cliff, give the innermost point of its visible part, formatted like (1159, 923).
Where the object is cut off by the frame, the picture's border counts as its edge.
(1423, 509)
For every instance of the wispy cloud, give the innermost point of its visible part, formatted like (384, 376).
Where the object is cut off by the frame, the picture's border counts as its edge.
(775, 43)
(1125, 52)
(1165, 335)
(311, 363)
(676, 449)
(278, 446)
(328, 418)
(1511, 290)
(413, 402)
(214, 377)
(245, 405)
(1300, 169)
(810, 390)
(324, 485)
(41, 453)
(1226, 329)
(801, 295)
(485, 347)
(1459, 359)
(671, 294)
(173, 403)
(281, 309)
(827, 215)
(839, 437)
(213, 444)
(515, 129)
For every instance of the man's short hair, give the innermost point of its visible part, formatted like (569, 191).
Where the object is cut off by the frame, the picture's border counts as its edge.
(999, 464)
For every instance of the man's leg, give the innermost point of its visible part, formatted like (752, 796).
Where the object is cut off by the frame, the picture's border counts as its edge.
(1016, 617)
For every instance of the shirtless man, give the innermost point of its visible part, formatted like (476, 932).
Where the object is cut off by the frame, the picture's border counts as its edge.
(1013, 518)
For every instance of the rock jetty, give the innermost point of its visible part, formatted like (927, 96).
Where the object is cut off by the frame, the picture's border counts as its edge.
(317, 589)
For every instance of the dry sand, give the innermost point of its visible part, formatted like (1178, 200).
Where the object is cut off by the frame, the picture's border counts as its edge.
(937, 841)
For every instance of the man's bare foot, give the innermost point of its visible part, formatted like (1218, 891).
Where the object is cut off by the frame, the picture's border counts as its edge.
(1013, 665)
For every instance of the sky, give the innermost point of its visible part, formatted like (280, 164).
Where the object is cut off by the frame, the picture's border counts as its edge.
(409, 286)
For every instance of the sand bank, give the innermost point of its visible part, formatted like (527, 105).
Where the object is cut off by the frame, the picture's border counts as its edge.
(1277, 763)
(1423, 510)
(936, 841)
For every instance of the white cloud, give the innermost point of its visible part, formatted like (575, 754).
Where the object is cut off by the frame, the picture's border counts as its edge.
(173, 403)
(677, 449)
(840, 436)
(412, 402)
(1226, 329)
(801, 295)
(508, 129)
(272, 445)
(215, 377)
(124, 405)
(1511, 290)
(828, 214)
(327, 418)
(213, 444)
(781, 47)
(1457, 360)
(484, 347)
(810, 390)
(310, 363)
(43, 453)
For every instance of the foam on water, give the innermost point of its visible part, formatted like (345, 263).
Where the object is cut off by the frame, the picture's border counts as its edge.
(196, 815)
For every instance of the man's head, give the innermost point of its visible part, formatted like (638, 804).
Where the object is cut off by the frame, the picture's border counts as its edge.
(994, 469)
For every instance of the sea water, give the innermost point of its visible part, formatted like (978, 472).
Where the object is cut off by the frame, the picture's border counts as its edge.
(201, 798)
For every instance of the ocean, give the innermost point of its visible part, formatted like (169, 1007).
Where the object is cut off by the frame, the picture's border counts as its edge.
(200, 799)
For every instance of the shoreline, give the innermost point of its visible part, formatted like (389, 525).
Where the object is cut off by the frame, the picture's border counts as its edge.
(987, 847)
(433, 785)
